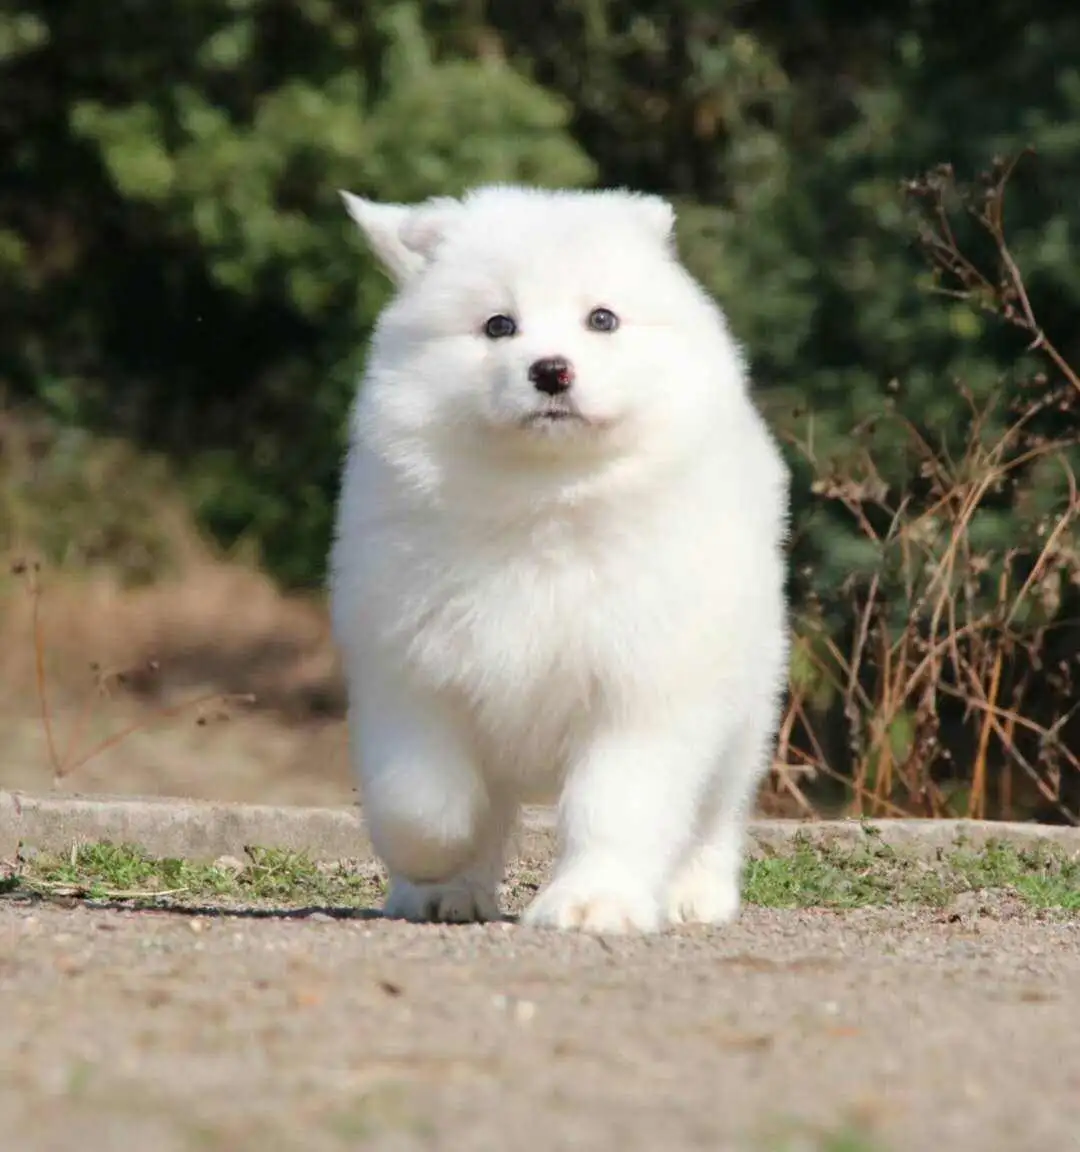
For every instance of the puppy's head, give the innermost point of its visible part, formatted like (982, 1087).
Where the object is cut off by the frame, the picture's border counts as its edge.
(558, 322)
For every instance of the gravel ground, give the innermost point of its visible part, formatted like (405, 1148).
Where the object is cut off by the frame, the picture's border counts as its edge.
(919, 1029)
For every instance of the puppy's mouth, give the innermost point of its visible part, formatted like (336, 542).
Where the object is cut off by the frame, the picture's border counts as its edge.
(552, 415)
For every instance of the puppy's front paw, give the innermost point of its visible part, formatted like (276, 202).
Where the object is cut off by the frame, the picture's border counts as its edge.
(456, 902)
(590, 904)
(702, 895)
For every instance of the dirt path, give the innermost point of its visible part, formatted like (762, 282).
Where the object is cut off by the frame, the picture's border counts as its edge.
(875, 1029)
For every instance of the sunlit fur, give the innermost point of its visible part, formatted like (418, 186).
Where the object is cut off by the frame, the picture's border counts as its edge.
(587, 611)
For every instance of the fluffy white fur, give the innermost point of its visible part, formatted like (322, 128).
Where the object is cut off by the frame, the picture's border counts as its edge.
(578, 599)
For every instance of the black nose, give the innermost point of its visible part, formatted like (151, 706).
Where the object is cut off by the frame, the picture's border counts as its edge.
(552, 375)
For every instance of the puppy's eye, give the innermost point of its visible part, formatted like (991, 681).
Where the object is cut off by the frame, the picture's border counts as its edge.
(602, 320)
(499, 327)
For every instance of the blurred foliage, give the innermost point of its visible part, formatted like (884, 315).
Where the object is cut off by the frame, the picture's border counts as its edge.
(77, 500)
(177, 262)
(176, 269)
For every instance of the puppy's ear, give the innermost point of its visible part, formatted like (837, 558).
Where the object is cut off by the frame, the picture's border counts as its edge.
(657, 215)
(404, 237)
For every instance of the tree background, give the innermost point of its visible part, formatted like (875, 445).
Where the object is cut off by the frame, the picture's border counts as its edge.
(177, 274)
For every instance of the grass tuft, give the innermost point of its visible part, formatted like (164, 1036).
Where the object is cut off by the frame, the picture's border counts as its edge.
(809, 875)
(267, 876)
(814, 876)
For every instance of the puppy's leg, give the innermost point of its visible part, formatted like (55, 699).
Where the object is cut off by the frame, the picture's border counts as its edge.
(706, 888)
(470, 894)
(428, 811)
(627, 813)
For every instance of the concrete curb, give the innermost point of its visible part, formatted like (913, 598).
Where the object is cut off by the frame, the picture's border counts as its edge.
(204, 830)
(164, 826)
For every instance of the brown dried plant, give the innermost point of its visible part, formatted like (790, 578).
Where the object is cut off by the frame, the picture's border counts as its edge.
(207, 707)
(956, 700)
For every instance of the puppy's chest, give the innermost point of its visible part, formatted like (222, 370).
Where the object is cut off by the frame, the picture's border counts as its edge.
(537, 625)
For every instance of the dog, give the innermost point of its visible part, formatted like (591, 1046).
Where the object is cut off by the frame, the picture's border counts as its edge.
(558, 566)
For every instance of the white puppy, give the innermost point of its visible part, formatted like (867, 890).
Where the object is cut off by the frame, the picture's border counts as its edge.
(558, 573)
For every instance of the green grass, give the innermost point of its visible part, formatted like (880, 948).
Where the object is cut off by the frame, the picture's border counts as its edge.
(121, 872)
(806, 1138)
(873, 873)
(806, 876)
